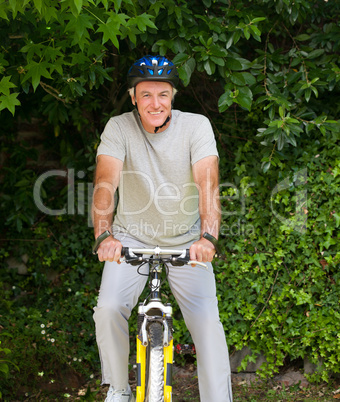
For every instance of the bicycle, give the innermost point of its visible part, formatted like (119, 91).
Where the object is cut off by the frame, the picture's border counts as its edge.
(154, 355)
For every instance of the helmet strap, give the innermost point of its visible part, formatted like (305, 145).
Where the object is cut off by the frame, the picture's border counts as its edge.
(164, 124)
(156, 128)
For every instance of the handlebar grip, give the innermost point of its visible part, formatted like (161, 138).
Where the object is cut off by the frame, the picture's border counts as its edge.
(125, 251)
(99, 239)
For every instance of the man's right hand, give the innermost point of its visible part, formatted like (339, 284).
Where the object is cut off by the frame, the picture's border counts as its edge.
(110, 250)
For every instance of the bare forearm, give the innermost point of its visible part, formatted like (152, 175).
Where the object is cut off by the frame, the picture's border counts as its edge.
(102, 208)
(206, 177)
(210, 211)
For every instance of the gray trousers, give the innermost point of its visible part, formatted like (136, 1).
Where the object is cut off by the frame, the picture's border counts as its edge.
(195, 292)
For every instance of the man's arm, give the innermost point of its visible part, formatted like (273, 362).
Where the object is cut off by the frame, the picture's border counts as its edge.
(206, 177)
(107, 177)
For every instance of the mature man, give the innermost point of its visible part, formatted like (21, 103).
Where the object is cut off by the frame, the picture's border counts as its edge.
(165, 164)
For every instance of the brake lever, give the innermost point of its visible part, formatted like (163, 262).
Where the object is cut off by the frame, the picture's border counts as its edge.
(192, 262)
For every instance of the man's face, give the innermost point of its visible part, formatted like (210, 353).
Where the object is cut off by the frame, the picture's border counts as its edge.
(154, 103)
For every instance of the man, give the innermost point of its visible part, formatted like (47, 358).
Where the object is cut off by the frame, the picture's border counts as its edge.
(165, 164)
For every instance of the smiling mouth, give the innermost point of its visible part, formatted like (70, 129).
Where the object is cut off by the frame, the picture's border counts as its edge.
(155, 113)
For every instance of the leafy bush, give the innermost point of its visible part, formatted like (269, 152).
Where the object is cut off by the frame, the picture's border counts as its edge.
(48, 313)
(279, 288)
(267, 67)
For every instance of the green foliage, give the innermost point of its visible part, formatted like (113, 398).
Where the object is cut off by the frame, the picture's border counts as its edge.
(5, 362)
(276, 59)
(279, 289)
(48, 312)
(266, 73)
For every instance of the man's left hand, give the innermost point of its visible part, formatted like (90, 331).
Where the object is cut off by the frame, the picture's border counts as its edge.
(202, 251)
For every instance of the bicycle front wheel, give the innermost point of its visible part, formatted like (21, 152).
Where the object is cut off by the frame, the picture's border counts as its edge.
(155, 370)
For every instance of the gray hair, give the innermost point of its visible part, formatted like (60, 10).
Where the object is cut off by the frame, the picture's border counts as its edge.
(132, 92)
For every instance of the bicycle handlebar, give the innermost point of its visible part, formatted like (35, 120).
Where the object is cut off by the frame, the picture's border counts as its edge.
(177, 257)
(134, 256)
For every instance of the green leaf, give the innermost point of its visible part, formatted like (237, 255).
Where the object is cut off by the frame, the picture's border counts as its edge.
(180, 58)
(6, 85)
(110, 32)
(38, 5)
(209, 67)
(244, 98)
(246, 32)
(225, 101)
(79, 26)
(315, 53)
(249, 78)
(329, 242)
(4, 368)
(217, 60)
(144, 21)
(233, 64)
(255, 29)
(9, 102)
(35, 71)
(78, 4)
(186, 71)
(337, 219)
(230, 42)
(238, 79)
(302, 37)
(258, 19)
(3, 14)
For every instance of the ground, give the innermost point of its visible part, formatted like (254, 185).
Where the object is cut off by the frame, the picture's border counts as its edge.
(288, 386)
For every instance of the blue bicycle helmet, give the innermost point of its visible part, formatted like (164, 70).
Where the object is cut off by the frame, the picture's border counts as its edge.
(153, 68)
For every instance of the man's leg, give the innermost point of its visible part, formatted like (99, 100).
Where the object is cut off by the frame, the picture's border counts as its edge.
(120, 289)
(195, 292)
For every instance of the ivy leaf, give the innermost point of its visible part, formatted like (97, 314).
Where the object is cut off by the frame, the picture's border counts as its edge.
(329, 241)
(9, 102)
(337, 220)
(260, 257)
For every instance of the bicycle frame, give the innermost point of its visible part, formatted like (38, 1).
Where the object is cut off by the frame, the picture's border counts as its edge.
(154, 311)
(154, 337)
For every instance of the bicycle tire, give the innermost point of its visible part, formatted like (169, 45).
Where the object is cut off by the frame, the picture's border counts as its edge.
(155, 364)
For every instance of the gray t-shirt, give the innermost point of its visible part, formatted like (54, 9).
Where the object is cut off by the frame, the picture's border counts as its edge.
(158, 199)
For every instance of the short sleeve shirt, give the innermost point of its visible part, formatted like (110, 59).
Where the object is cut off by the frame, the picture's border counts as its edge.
(158, 199)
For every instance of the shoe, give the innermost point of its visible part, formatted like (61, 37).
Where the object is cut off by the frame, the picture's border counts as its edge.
(119, 395)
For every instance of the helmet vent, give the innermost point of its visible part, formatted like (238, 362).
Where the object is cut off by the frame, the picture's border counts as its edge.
(154, 68)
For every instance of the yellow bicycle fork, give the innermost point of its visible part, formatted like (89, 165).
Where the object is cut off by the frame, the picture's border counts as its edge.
(141, 368)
